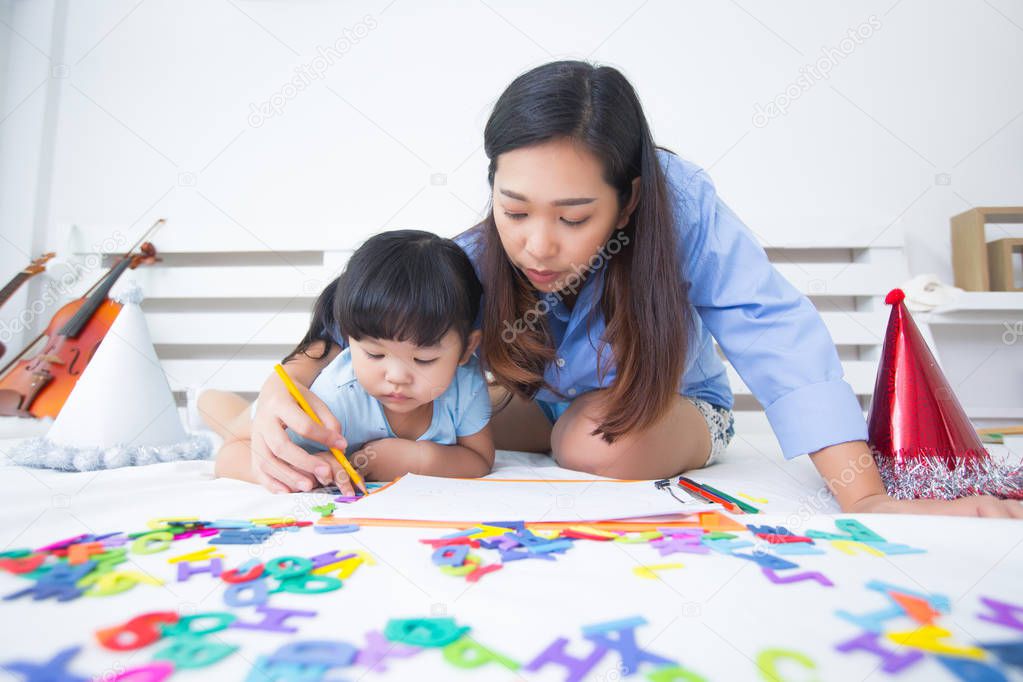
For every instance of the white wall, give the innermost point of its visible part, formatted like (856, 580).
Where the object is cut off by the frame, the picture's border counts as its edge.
(146, 111)
(28, 99)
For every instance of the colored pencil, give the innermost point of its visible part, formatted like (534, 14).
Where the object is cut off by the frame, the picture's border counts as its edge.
(707, 495)
(748, 508)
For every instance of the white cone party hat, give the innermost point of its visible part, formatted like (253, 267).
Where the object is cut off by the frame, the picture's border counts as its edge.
(121, 411)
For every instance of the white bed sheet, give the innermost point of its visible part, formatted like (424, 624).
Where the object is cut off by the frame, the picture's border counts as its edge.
(715, 615)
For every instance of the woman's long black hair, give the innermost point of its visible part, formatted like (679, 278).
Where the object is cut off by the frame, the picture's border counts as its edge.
(402, 285)
(644, 298)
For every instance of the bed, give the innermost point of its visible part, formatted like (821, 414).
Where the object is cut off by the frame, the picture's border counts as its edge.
(940, 599)
(710, 616)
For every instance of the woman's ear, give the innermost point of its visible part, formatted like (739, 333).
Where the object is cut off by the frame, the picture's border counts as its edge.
(623, 219)
(471, 345)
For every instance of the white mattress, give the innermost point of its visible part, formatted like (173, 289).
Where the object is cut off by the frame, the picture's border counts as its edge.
(716, 615)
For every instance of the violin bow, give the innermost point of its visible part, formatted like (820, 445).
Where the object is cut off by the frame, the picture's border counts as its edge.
(144, 238)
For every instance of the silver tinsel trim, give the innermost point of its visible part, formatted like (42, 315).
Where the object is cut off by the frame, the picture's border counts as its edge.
(128, 291)
(42, 453)
(949, 478)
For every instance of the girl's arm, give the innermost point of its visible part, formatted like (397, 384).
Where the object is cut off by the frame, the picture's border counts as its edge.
(852, 477)
(388, 458)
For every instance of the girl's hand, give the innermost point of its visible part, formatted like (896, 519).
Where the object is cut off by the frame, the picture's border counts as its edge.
(978, 505)
(277, 463)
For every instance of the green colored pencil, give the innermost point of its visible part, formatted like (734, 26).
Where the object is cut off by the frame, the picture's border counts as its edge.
(748, 508)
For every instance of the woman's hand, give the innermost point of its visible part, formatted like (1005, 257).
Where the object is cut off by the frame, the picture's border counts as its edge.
(853, 478)
(978, 505)
(337, 473)
(277, 463)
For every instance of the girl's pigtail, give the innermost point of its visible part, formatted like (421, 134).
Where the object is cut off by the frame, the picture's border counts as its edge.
(322, 327)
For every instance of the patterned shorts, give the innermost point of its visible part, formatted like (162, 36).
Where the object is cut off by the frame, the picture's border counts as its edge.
(720, 422)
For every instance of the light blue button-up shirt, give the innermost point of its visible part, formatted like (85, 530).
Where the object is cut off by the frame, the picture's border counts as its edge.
(768, 330)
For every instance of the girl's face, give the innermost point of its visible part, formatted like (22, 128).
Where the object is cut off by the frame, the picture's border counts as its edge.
(554, 211)
(404, 376)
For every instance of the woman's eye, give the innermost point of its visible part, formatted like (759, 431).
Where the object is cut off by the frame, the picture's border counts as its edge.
(425, 362)
(574, 222)
(515, 216)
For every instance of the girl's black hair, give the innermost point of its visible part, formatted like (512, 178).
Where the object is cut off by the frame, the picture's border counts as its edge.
(402, 285)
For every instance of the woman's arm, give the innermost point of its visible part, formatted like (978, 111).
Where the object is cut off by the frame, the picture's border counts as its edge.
(277, 463)
(388, 458)
(853, 478)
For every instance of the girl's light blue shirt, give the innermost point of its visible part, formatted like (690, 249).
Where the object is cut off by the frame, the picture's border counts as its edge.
(768, 330)
(462, 410)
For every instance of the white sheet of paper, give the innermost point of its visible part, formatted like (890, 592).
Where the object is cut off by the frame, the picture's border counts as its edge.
(432, 498)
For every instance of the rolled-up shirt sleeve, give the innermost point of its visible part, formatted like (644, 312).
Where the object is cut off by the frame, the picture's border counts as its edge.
(770, 332)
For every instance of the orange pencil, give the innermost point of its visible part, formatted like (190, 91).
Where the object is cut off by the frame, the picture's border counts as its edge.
(707, 495)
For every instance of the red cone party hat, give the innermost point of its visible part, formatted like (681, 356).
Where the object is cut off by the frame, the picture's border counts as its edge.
(923, 442)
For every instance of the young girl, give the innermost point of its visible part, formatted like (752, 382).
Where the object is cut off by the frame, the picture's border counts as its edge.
(405, 395)
(609, 266)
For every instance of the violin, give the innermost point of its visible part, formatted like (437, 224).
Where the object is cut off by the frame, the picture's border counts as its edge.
(30, 271)
(39, 386)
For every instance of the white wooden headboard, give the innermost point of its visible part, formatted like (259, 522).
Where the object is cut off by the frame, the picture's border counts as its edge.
(227, 303)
